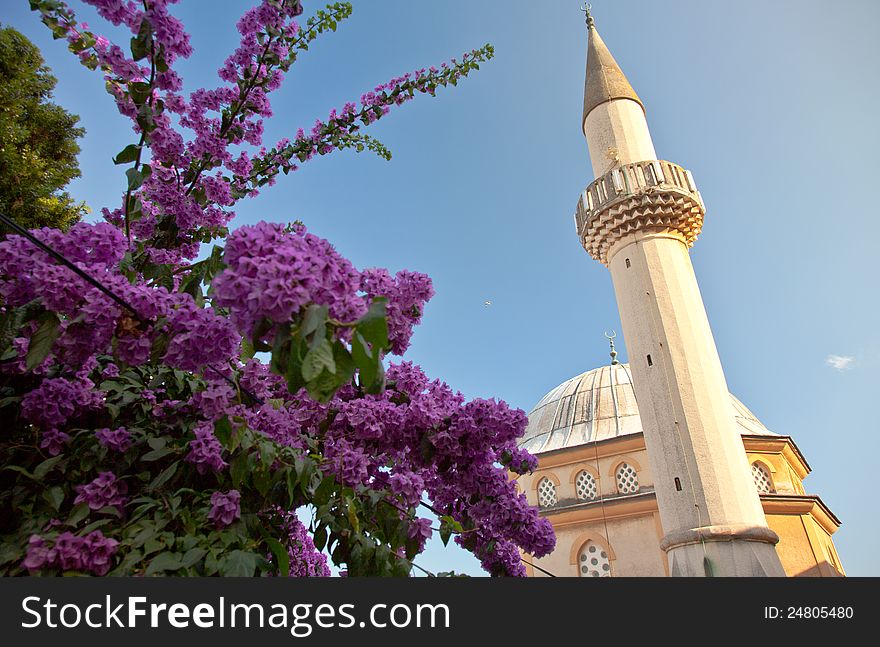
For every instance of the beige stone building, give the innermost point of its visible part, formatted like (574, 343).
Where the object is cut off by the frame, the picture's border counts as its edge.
(653, 468)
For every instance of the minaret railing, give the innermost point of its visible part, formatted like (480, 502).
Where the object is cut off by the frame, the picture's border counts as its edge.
(633, 179)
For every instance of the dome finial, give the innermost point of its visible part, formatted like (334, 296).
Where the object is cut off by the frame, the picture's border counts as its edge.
(610, 339)
(589, 17)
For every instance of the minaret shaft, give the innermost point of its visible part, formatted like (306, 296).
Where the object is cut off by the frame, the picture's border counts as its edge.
(617, 133)
(639, 217)
(702, 477)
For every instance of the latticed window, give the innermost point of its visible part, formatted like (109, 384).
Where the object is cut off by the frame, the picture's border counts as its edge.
(627, 479)
(762, 478)
(585, 486)
(546, 493)
(593, 561)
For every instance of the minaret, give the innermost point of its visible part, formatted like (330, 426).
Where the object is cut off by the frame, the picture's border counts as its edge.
(639, 217)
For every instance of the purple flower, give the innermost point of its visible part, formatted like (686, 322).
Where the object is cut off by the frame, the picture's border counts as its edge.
(98, 551)
(53, 441)
(106, 490)
(56, 400)
(420, 530)
(67, 552)
(225, 508)
(118, 440)
(205, 451)
(38, 554)
(92, 553)
(305, 559)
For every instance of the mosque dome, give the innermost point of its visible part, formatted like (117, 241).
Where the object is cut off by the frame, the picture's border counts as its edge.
(598, 405)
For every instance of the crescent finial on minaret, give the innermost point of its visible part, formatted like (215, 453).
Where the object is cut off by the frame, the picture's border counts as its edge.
(589, 17)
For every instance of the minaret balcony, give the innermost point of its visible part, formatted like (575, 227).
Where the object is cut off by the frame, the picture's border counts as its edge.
(649, 196)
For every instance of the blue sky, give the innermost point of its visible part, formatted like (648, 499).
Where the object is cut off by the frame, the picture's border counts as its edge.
(772, 105)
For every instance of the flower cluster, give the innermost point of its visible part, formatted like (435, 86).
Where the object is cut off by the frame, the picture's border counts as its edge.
(117, 440)
(93, 322)
(305, 560)
(56, 400)
(273, 273)
(92, 553)
(407, 294)
(106, 490)
(225, 508)
(205, 451)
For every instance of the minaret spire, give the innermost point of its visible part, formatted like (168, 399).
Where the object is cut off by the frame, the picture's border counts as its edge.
(604, 80)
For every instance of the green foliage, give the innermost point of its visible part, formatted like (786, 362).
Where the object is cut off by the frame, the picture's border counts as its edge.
(38, 146)
(307, 354)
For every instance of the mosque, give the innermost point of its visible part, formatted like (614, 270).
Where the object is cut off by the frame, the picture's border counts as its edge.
(654, 468)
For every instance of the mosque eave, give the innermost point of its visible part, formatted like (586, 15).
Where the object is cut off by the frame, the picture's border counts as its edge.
(810, 504)
(588, 451)
(755, 442)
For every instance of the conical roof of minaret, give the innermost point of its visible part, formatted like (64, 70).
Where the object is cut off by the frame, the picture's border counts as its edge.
(605, 81)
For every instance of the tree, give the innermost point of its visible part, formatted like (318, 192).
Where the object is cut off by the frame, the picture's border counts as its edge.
(38, 140)
(144, 436)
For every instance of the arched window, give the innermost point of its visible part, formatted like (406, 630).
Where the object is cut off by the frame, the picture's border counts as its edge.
(546, 493)
(593, 561)
(627, 479)
(763, 481)
(585, 486)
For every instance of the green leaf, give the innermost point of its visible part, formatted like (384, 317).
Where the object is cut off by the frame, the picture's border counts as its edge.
(364, 360)
(323, 491)
(54, 496)
(281, 556)
(373, 325)
(223, 431)
(262, 481)
(46, 466)
(152, 545)
(140, 44)
(10, 400)
(100, 523)
(247, 350)
(319, 358)
(239, 564)
(162, 562)
(320, 538)
(140, 92)
(292, 367)
(42, 341)
(239, 469)
(448, 525)
(314, 317)
(164, 476)
(192, 557)
(144, 535)
(127, 154)
(19, 469)
(79, 513)
(156, 454)
(345, 365)
(135, 179)
(268, 453)
(378, 384)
